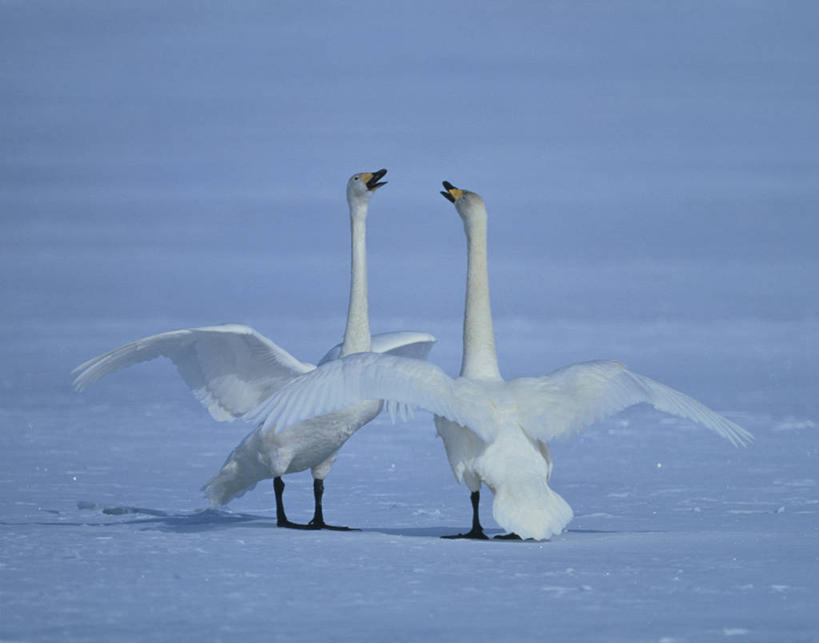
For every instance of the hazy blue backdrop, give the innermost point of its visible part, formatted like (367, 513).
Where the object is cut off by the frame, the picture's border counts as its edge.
(652, 177)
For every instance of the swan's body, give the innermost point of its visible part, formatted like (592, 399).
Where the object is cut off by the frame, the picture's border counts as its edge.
(233, 368)
(494, 432)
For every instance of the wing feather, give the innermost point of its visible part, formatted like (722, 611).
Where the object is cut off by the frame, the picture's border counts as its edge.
(574, 397)
(404, 343)
(230, 368)
(400, 381)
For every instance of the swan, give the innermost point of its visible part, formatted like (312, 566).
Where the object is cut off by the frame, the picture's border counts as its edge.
(495, 432)
(232, 368)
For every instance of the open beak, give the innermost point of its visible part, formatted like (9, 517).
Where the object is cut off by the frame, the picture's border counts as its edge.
(452, 193)
(371, 180)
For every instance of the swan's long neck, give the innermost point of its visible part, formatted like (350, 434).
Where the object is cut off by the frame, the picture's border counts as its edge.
(357, 333)
(480, 358)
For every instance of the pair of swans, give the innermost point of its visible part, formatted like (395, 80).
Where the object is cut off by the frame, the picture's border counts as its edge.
(232, 369)
(495, 432)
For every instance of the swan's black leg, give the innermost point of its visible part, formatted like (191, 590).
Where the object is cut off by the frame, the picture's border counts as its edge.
(281, 517)
(510, 536)
(476, 532)
(318, 516)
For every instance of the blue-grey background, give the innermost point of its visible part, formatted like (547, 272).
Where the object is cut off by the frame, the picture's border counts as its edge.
(652, 177)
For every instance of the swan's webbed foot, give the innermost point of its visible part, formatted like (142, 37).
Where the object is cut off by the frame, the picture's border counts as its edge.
(285, 523)
(320, 524)
(511, 536)
(474, 534)
(318, 516)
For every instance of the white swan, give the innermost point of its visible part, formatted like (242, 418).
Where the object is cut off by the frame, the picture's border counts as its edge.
(233, 368)
(495, 432)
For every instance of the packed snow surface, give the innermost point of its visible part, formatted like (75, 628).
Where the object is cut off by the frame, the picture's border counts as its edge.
(652, 185)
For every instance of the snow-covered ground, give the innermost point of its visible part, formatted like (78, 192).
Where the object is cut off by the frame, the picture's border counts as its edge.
(652, 185)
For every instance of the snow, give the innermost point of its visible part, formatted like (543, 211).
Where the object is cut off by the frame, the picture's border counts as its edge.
(652, 186)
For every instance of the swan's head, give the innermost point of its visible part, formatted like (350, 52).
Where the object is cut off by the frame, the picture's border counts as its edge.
(468, 204)
(361, 186)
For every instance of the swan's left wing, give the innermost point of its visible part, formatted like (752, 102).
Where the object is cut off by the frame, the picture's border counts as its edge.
(400, 381)
(230, 368)
(405, 343)
(579, 395)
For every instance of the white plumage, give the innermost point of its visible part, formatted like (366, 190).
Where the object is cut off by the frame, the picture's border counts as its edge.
(495, 432)
(232, 369)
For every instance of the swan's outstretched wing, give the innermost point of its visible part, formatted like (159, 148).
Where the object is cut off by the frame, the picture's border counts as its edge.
(400, 381)
(230, 368)
(405, 343)
(577, 396)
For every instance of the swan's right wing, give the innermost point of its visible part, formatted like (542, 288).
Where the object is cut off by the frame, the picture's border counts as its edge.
(230, 368)
(577, 396)
(404, 343)
(401, 382)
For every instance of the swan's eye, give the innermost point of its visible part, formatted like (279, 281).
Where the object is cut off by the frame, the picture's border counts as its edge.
(356, 178)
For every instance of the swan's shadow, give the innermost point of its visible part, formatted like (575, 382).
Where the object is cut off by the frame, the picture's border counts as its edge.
(421, 532)
(202, 520)
(196, 521)
(214, 520)
(439, 532)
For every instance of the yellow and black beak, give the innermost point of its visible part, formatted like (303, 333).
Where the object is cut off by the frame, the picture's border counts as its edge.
(371, 179)
(452, 193)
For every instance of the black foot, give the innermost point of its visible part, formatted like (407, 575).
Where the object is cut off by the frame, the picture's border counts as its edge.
(314, 524)
(318, 515)
(292, 525)
(507, 537)
(475, 534)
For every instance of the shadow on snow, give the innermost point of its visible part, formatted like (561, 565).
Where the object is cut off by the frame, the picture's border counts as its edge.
(215, 519)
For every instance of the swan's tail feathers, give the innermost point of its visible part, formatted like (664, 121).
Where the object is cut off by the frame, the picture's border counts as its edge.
(531, 509)
(246, 465)
(226, 485)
